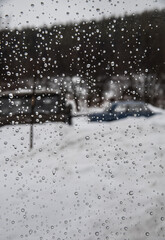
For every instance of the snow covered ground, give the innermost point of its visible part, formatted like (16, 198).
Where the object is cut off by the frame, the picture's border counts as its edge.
(103, 181)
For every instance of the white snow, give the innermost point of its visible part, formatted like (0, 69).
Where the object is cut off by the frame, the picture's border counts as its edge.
(87, 181)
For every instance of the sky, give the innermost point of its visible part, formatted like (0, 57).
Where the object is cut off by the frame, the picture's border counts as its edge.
(36, 13)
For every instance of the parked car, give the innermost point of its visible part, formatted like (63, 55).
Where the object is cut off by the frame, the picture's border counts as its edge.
(25, 107)
(122, 109)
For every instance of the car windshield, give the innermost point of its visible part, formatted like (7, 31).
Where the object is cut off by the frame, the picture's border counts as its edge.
(137, 108)
(121, 108)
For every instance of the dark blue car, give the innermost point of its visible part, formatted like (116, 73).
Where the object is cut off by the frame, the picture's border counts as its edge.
(122, 109)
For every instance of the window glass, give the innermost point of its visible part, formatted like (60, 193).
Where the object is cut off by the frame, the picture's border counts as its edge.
(82, 119)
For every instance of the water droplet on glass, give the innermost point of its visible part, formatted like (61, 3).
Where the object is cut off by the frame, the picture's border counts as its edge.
(131, 193)
(54, 171)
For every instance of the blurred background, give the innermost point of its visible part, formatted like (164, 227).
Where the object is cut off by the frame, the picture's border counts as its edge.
(61, 63)
(92, 52)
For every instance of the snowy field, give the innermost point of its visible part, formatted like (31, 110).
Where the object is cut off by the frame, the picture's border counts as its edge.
(103, 181)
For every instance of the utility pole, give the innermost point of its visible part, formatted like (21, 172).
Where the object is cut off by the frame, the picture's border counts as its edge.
(33, 100)
(36, 67)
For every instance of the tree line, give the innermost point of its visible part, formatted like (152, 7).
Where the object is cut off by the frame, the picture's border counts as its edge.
(94, 50)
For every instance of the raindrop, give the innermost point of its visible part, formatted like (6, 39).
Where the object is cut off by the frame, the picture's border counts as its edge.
(87, 137)
(131, 193)
(54, 171)
(8, 73)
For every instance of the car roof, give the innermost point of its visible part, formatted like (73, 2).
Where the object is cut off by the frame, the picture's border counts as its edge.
(129, 103)
(113, 105)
